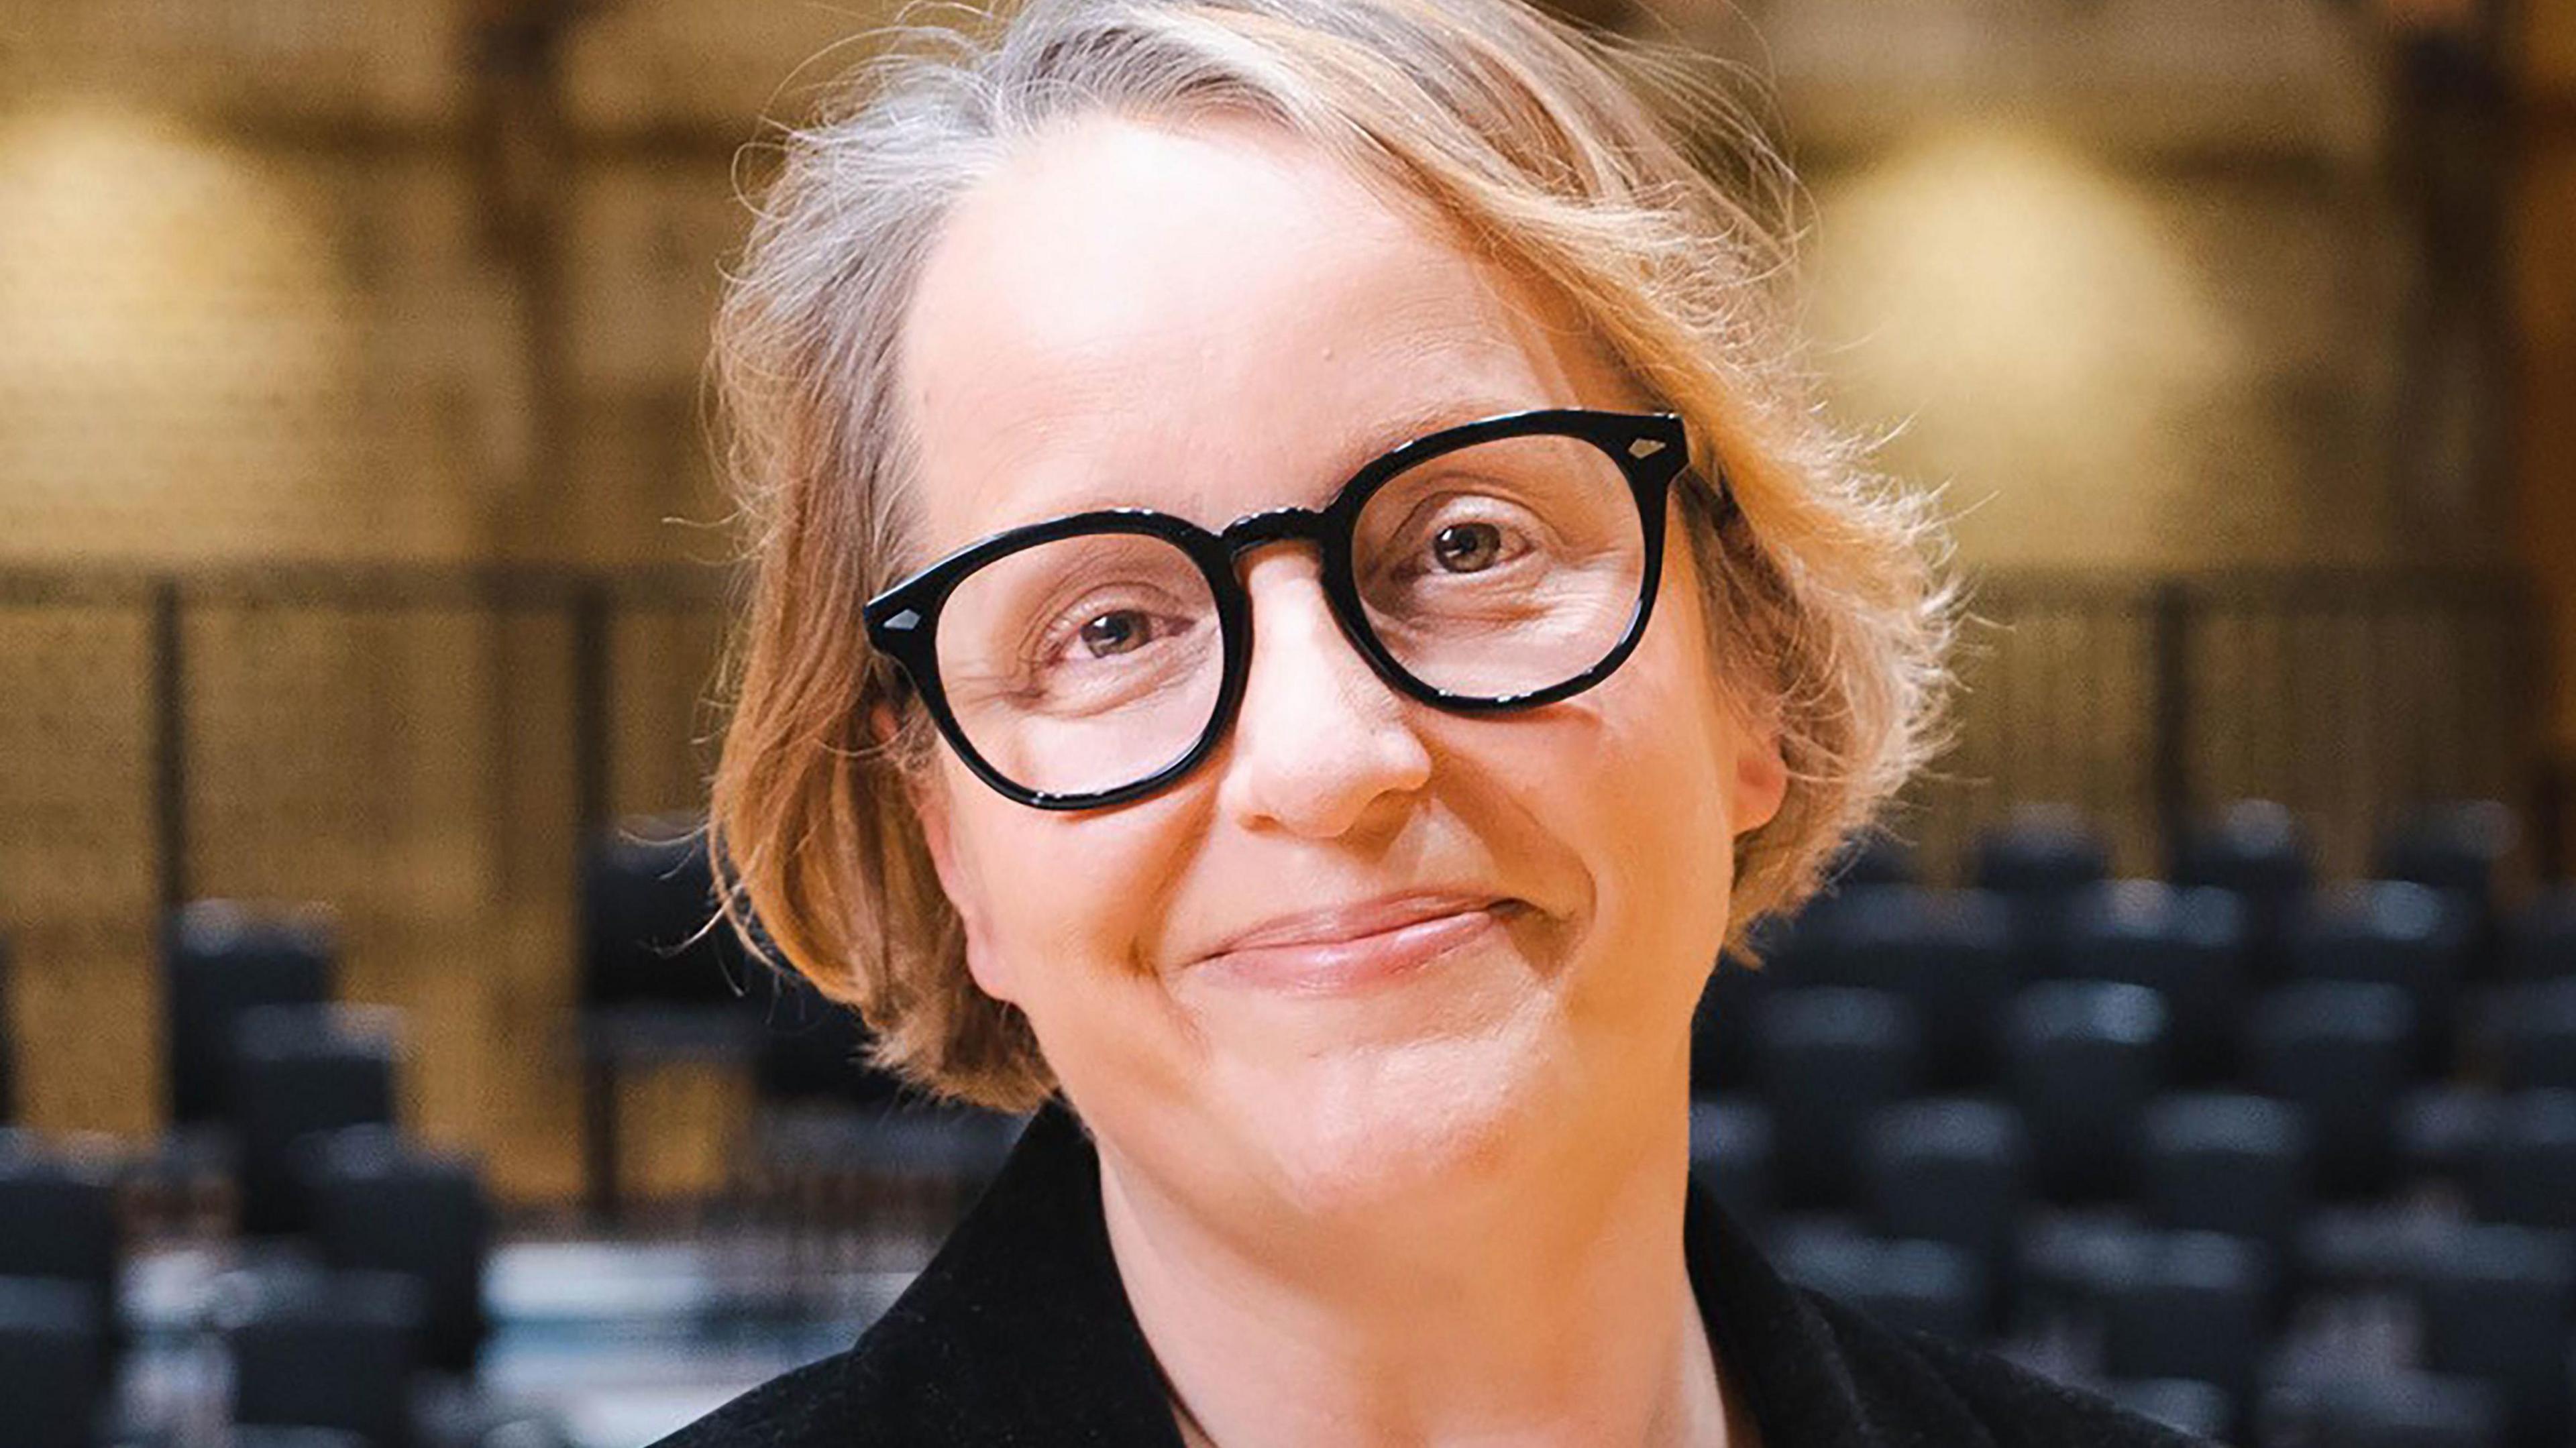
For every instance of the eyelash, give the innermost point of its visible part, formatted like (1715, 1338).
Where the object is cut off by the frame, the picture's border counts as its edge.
(1052, 641)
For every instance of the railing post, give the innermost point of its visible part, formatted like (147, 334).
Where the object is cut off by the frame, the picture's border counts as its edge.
(169, 665)
(592, 780)
(2171, 620)
(591, 687)
(2548, 778)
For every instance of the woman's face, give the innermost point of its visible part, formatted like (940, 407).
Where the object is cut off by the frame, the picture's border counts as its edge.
(1217, 321)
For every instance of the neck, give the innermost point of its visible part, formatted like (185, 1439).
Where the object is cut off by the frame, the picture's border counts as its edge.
(1551, 1308)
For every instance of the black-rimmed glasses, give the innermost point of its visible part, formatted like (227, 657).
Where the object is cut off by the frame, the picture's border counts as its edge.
(1091, 660)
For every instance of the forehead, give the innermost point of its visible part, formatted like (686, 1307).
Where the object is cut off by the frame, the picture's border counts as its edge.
(1207, 321)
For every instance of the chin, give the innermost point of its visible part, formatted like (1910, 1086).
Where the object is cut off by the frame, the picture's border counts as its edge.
(1362, 1130)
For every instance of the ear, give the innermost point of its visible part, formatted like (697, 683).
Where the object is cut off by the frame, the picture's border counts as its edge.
(1761, 778)
(963, 884)
(882, 723)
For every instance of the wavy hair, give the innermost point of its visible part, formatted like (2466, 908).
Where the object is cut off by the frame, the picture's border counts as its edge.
(1611, 172)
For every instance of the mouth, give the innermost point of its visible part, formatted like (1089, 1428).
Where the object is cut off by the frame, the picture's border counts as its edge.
(1339, 952)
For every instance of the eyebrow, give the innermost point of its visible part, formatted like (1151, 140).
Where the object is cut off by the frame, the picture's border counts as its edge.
(1421, 421)
(1358, 451)
(1390, 432)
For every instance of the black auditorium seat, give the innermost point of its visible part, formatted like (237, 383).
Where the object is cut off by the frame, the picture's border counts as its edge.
(2376, 1406)
(58, 1223)
(810, 1049)
(2442, 1128)
(2455, 847)
(218, 961)
(2392, 932)
(648, 900)
(831, 1120)
(298, 1070)
(1914, 1286)
(662, 980)
(54, 1363)
(334, 1350)
(2193, 1305)
(1829, 1059)
(1730, 1149)
(1954, 1170)
(2229, 1163)
(2341, 1052)
(2497, 1305)
(379, 1205)
(2201, 1409)
(2083, 1059)
(2043, 859)
(2526, 1165)
(1874, 858)
(1949, 953)
(2255, 851)
(2540, 940)
(2187, 945)
(8, 1044)
(2534, 1031)
(1722, 1027)
(2064, 1261)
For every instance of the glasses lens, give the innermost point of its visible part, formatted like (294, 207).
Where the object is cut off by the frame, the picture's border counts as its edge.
(1084, 664)
(1502, 568)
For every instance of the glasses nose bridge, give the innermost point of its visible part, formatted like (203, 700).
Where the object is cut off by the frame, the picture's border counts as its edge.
(1260, 530)
(1275, 525)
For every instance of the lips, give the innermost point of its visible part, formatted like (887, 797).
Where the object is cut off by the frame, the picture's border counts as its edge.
(1345, 948)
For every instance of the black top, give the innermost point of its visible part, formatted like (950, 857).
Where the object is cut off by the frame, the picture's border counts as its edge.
(1019, 1333)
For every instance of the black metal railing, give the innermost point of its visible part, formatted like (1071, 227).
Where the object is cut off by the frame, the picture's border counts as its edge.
(176, 659)
(2352, 695)
(427, 750)
(2355, 696)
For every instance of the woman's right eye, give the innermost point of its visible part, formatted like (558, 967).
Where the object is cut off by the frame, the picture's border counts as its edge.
(1467, 547)
(1115, 633)
(1108, 630)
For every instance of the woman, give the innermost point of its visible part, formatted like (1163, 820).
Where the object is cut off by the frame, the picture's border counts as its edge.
(1300, 604)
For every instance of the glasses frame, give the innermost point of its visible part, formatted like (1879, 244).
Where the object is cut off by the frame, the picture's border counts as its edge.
(1650, 449)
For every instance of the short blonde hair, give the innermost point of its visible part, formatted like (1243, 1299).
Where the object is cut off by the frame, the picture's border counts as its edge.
(1537, 145)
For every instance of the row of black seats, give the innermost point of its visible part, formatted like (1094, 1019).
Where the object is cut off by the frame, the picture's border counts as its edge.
(2189, 1326)
(387, 1282)
(2282, 1164)
(2045, 861)
(2197, 1277)
(1963, 1170)
(367, 1252)
(2083, 1060)
(261, 1057)
(662, 978)
(1959, 954)
(660, 983)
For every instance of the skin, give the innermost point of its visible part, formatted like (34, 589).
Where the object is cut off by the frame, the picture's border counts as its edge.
(1445, 1208)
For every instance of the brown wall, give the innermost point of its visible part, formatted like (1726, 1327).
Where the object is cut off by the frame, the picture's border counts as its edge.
(261, 297)
(2543, 242)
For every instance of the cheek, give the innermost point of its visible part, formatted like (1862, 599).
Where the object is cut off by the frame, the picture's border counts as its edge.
(1665, 748)
(1656, 801)
(1067, 900)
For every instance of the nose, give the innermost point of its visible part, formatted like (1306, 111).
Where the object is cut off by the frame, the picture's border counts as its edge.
(1319, 739)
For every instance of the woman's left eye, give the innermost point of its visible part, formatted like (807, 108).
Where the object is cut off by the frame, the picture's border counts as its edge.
(1462, 547)
(1116, 633)
(1467, 547)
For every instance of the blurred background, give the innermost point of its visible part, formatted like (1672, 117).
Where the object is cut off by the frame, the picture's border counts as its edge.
(364, 575)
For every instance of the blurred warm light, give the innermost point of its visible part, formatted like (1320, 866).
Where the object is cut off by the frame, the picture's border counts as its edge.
(183, 360)
(2036, 329)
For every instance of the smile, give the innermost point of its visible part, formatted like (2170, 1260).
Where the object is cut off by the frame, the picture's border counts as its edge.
(1343, 952)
